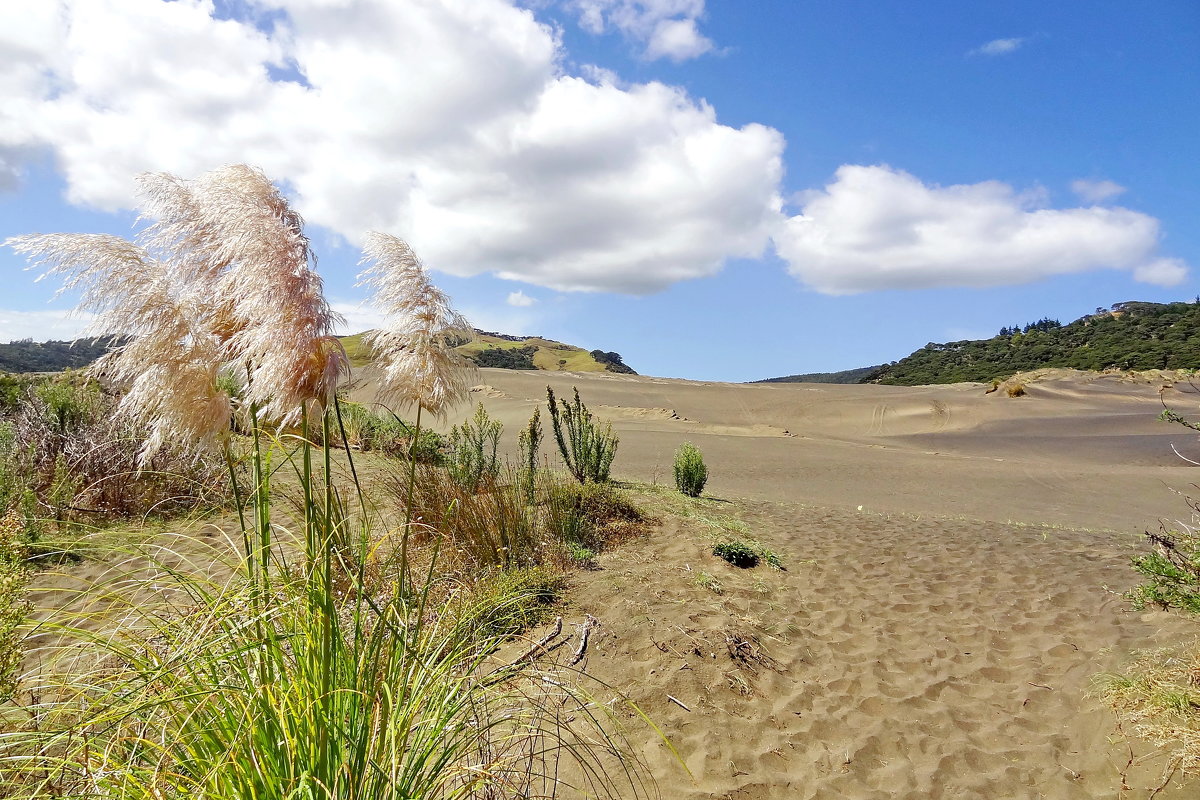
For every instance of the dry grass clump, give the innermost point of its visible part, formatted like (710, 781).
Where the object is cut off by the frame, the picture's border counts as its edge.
(1158, 698)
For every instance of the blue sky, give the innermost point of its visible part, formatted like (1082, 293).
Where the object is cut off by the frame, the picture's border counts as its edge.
(717, 190)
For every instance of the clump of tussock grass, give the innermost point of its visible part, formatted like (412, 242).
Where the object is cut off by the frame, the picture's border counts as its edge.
(1157, 698)
(308, 673)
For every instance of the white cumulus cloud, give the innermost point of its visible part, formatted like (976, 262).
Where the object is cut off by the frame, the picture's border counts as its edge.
(666, 28)
(451, 123)
(520, 299)
(1090, 191)
(875, 227)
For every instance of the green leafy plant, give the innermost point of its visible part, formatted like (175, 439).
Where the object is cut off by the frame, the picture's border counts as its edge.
(529, 441)
(472, 460)
(1173, 570)
(736, 552)
(587, 446)
(690, 472)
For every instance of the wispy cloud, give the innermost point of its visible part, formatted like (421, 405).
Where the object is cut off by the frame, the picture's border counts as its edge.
(667, 28)
(1096, 191)
(999, 47)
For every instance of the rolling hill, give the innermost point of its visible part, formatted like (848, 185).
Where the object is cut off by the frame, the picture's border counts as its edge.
(1132, 335)
(491, 349)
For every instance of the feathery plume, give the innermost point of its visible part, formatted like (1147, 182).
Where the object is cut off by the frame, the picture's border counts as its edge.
(234, 230)
(222, 277)
(415, 346)
(170, 361)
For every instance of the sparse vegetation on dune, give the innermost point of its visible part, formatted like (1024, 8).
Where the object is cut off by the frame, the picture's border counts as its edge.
(355, 652)
(1156, 696)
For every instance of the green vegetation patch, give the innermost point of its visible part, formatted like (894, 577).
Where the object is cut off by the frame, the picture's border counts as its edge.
(1130, 335)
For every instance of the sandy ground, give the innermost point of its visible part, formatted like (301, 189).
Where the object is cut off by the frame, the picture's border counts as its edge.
(954, 561)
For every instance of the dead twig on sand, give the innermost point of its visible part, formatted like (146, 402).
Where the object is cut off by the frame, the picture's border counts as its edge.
(540, 644)
(586, 631)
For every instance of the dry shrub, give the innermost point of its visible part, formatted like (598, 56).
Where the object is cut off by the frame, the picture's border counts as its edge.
(1016, 390)
(588, 515)
(81, 459)
(491, 527)
(1158, 699)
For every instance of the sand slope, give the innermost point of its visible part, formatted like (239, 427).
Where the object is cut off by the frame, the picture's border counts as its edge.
(938, 642)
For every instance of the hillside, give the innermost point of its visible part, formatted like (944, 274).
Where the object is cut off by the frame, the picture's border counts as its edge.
(845, 376)
(491, 349)
(1130, 335)
(27, 355)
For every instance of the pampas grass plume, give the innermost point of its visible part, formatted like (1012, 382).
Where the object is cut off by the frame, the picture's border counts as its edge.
(415, 346)
(221, 276)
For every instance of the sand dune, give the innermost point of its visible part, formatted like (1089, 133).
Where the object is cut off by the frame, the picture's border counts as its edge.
(954, 558)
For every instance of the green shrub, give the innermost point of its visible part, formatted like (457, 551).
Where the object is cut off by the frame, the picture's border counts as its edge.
(1173, 569)
(384, 432)
(690, 472)
(589, 515)
(587, 447)
(736, 552)
(529, 440)
(472, 460)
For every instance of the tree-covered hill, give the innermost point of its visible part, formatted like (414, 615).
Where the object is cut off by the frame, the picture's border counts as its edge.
(27, 355)
(1130, 335)
(845, 376)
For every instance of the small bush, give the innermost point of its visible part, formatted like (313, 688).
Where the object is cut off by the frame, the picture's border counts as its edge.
(587, 446)
(736, 552)
(472, 460)
(386, 433)
(1173, 569)
(690, 472)
(591, 515)
(66, 453)
(1016, 390)
(529, 440)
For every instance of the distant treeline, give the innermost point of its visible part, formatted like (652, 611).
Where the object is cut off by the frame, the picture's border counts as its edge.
(1131, 335)
(27, 355)
(845, 376)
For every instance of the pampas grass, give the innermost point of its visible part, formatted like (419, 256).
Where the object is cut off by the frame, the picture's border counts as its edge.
(221, 271)
(415, 346)
(300, 676)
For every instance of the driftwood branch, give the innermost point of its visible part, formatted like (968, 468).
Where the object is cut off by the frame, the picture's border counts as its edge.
(584, 633)
(540, 644)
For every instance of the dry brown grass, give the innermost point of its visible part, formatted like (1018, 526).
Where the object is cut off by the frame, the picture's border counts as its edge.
(1157, 698)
